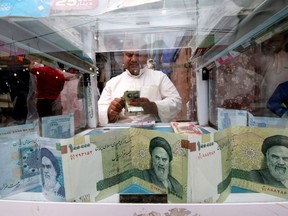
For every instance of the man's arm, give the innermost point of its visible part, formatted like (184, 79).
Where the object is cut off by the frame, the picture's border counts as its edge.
(148, 106)
(165, 108)
(109, 108)
(103, 105)
(114, 109)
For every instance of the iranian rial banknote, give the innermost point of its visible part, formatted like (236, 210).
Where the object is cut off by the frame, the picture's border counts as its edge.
(204, 169)
(19, 130)
(243, 157)
(230, 117)
(19, 163)
(267, 122)
(149, 172)
(19, 151)
(52, 178)
(61, 126)
(98, 166)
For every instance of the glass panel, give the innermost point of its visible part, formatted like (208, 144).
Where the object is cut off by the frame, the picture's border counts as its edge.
(245, 73)
(233, 50)
(22, 50)
(22, 89)
(181, 37)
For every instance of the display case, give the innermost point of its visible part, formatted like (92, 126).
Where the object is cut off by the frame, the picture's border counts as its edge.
(243, 56)
(218, 54)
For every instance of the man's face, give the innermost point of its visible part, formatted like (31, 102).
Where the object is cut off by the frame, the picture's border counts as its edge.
(277, 162)
(49, 172)
(160, 162)
(134, 61)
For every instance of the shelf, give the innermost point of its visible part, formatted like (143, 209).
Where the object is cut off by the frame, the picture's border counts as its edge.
(249, 28)
(239, 204)
(31, 43)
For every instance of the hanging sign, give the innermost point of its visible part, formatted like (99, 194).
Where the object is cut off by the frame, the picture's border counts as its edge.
(74, 4)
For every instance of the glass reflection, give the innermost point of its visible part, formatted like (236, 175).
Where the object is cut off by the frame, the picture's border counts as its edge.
(30, 90)
(251, 80)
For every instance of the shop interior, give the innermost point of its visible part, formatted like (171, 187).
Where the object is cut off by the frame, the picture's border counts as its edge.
(227, 54)
(182, 38)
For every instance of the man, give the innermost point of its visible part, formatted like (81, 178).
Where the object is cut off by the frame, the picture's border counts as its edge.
(161, 156)
(50, 174)
(159, 98)
(278, 102)
(50, 82)
(275, 149)
(273, 65)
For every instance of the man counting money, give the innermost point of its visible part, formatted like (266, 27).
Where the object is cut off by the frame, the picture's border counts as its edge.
(158, 174)
(275, 149)
(159, 97)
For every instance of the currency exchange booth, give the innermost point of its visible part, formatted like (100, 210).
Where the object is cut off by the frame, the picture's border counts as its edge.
(227, 142)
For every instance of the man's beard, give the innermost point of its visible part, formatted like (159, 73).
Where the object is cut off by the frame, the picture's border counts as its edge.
(49, 181)
(134, 69)
(280, 173)
(161, 173)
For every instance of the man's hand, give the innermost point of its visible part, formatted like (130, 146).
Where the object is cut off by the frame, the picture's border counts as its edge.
(114, 109)
(148, 106)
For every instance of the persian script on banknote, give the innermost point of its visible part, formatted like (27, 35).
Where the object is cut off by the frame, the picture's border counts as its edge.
(20, 169)
(61, 126)
(93, 167)
(98, 166)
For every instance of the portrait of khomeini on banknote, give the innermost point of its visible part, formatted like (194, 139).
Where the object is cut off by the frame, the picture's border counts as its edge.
(159, 173)
(50, 174)
(275, 150)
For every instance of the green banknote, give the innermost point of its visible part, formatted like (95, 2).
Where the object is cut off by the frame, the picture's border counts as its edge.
(98, 166)
(204, 169)
(152, 174)
(95, 166)
(246, 164)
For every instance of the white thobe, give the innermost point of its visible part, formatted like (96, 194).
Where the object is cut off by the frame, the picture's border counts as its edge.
(152, 84)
